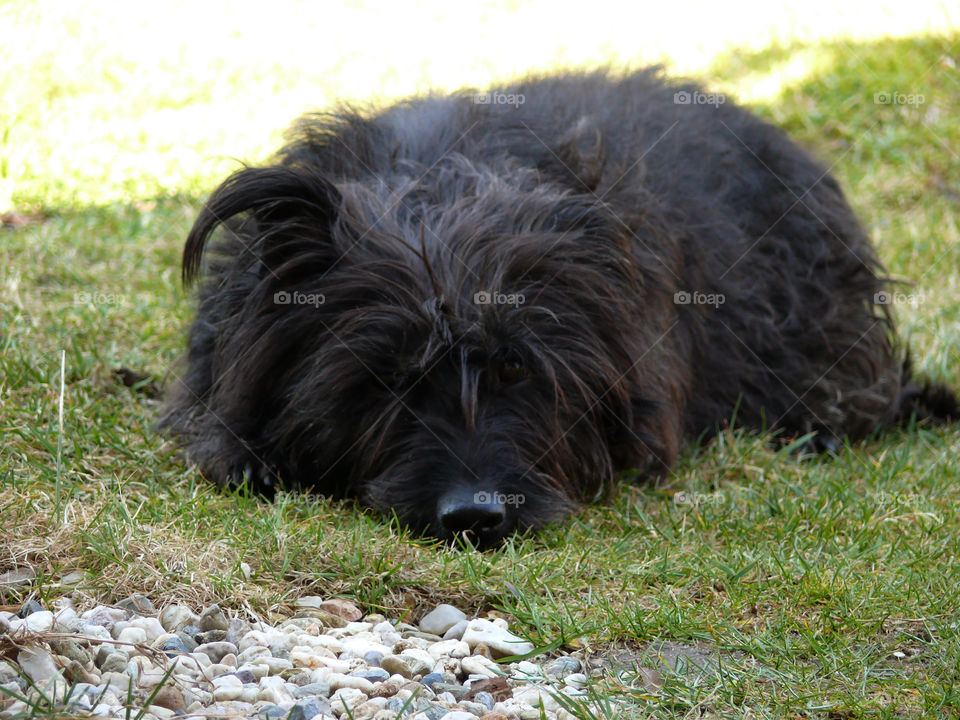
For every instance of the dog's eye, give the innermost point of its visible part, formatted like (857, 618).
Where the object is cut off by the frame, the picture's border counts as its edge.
(511, 370)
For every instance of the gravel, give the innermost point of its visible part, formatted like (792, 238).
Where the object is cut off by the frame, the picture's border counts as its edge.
(327, 661)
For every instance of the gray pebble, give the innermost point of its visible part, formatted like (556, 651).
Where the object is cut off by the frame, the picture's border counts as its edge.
(115, 662)
(373, 658)
(246, 677)
(137, 604)
(308, 708)
(216, 650)
(455, 689)
(456, 632)
(435, 712)
(173, 646)
(315, 689)
(270, 712)
(561, 667)
(191, 630)
(211, 636)
(29, 608)
(212, 618)
(485, 699)
(374, 675)
(188, 640)
(431, 679)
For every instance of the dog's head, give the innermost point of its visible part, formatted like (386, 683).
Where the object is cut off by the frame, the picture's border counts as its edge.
(473, 355)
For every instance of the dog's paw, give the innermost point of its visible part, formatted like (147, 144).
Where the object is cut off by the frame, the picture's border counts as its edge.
(254, 475)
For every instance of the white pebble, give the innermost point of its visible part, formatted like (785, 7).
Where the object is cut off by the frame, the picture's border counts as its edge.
(338, 680)
(134, 635)
(38, 664)
(447, 648)
(227, 687)
(41, 621)
(479, 665)
(274, 690)
(441, 619)
(150, 626)
(500, 641)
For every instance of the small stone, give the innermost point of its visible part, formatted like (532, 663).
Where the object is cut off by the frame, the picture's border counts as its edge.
(431, 678)
(400, 665)
(171, 698)
(212, 618)
(176, 617)
(478, 665)
(137, 604)
(173, 645)
(308, 708)
(338, 680)
(29, 608)
(190, 630)
(561, 667)
(217, 650)
(39, 621)
(104, 616)
(386, 689)
(150, 625)
(245, 676)
(210, 636)
(188, 642)
(485, 699)
(458, 715)
(373, 658)
(18, 578)
(458, 691)
(328, 619)
(227, 687)
(502, 642)
(274, 690)
(238, 628)
(271, 712)
(346, 699)
(114, 662)
(343, 608)
(314, 689)
(577, 680)
(456, 632)
(375, 674)
(133, 635)
(38, 664)
(449, 648)
(441, 619)
(297, 676)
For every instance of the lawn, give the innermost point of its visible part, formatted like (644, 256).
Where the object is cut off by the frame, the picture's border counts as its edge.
(827, 587)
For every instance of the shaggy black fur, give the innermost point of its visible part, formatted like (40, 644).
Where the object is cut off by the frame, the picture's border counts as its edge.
(653, 265)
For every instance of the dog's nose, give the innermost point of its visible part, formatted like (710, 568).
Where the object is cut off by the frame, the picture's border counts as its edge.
(460, 510)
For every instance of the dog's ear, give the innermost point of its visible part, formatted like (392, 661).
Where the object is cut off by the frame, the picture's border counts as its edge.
(279, 199)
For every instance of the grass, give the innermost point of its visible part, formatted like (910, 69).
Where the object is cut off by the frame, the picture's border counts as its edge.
(820, 588)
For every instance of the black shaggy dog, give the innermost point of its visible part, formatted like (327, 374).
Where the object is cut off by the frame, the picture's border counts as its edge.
(474, 310)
